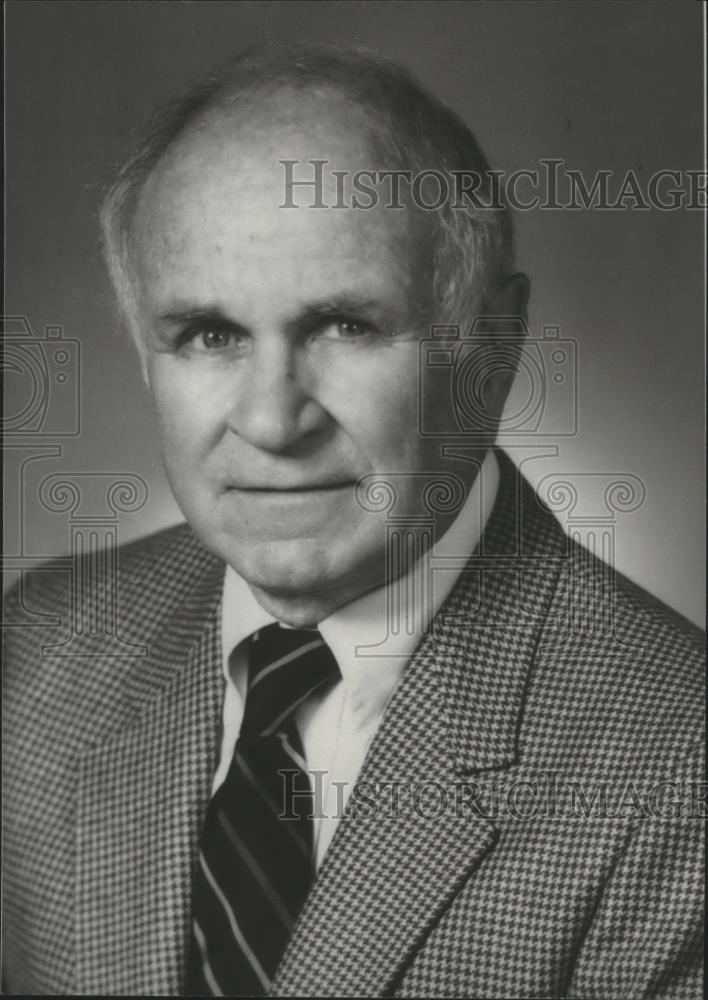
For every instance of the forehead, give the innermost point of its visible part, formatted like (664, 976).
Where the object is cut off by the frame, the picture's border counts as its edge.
(215, 203)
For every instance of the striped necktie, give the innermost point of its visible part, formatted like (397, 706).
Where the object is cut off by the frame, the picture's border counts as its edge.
(256, 860)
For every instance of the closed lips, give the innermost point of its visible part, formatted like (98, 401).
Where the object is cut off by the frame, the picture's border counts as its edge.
(300, 488)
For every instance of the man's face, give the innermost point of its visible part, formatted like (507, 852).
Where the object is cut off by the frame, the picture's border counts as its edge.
(282, 353)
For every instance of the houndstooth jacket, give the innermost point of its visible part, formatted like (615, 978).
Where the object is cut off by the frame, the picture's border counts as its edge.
(544, 674)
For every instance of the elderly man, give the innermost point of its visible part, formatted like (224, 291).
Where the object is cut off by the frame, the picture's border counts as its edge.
(303, 786)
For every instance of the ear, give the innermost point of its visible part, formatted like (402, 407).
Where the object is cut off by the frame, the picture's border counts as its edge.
(509, 302)
(142, 352)
(144, 368)
(511, 297)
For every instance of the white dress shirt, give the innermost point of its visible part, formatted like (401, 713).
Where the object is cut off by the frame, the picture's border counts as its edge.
(337, 727)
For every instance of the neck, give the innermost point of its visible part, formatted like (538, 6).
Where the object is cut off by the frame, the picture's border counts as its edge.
(303, 610)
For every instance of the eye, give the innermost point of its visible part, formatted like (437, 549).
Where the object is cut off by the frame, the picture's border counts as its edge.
(212, 337)
(352, 328)
(345, 328)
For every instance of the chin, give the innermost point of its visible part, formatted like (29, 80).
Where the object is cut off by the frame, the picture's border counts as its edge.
(341, 559)
(304, 567)
(293, 566)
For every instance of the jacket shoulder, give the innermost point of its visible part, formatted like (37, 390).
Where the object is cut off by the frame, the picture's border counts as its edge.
(626, 670)
(133, 573)
(643, 618)
(75, 630)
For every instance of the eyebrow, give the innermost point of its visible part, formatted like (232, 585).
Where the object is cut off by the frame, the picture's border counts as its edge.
(190, 315)
(325, 307)
(341, 304)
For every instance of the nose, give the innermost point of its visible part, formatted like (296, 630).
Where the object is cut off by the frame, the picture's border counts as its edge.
(273, 408)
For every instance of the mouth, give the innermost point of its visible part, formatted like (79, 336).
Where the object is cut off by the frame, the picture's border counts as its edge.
(296, 489)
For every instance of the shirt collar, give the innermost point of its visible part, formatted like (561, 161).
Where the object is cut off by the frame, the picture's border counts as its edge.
(354, 633)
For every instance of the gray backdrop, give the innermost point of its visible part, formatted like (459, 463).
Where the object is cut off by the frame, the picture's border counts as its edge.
(613, 86)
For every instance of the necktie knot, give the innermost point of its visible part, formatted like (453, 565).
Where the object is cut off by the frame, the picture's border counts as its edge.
(285, 666)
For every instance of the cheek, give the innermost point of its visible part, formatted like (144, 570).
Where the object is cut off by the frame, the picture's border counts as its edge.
(377, 406)
(184, 410)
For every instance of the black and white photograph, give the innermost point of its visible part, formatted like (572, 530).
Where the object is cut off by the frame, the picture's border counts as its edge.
(354, 499)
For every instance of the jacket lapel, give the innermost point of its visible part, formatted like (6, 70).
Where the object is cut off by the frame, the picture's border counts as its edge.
(391, 870)
(142, 796)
